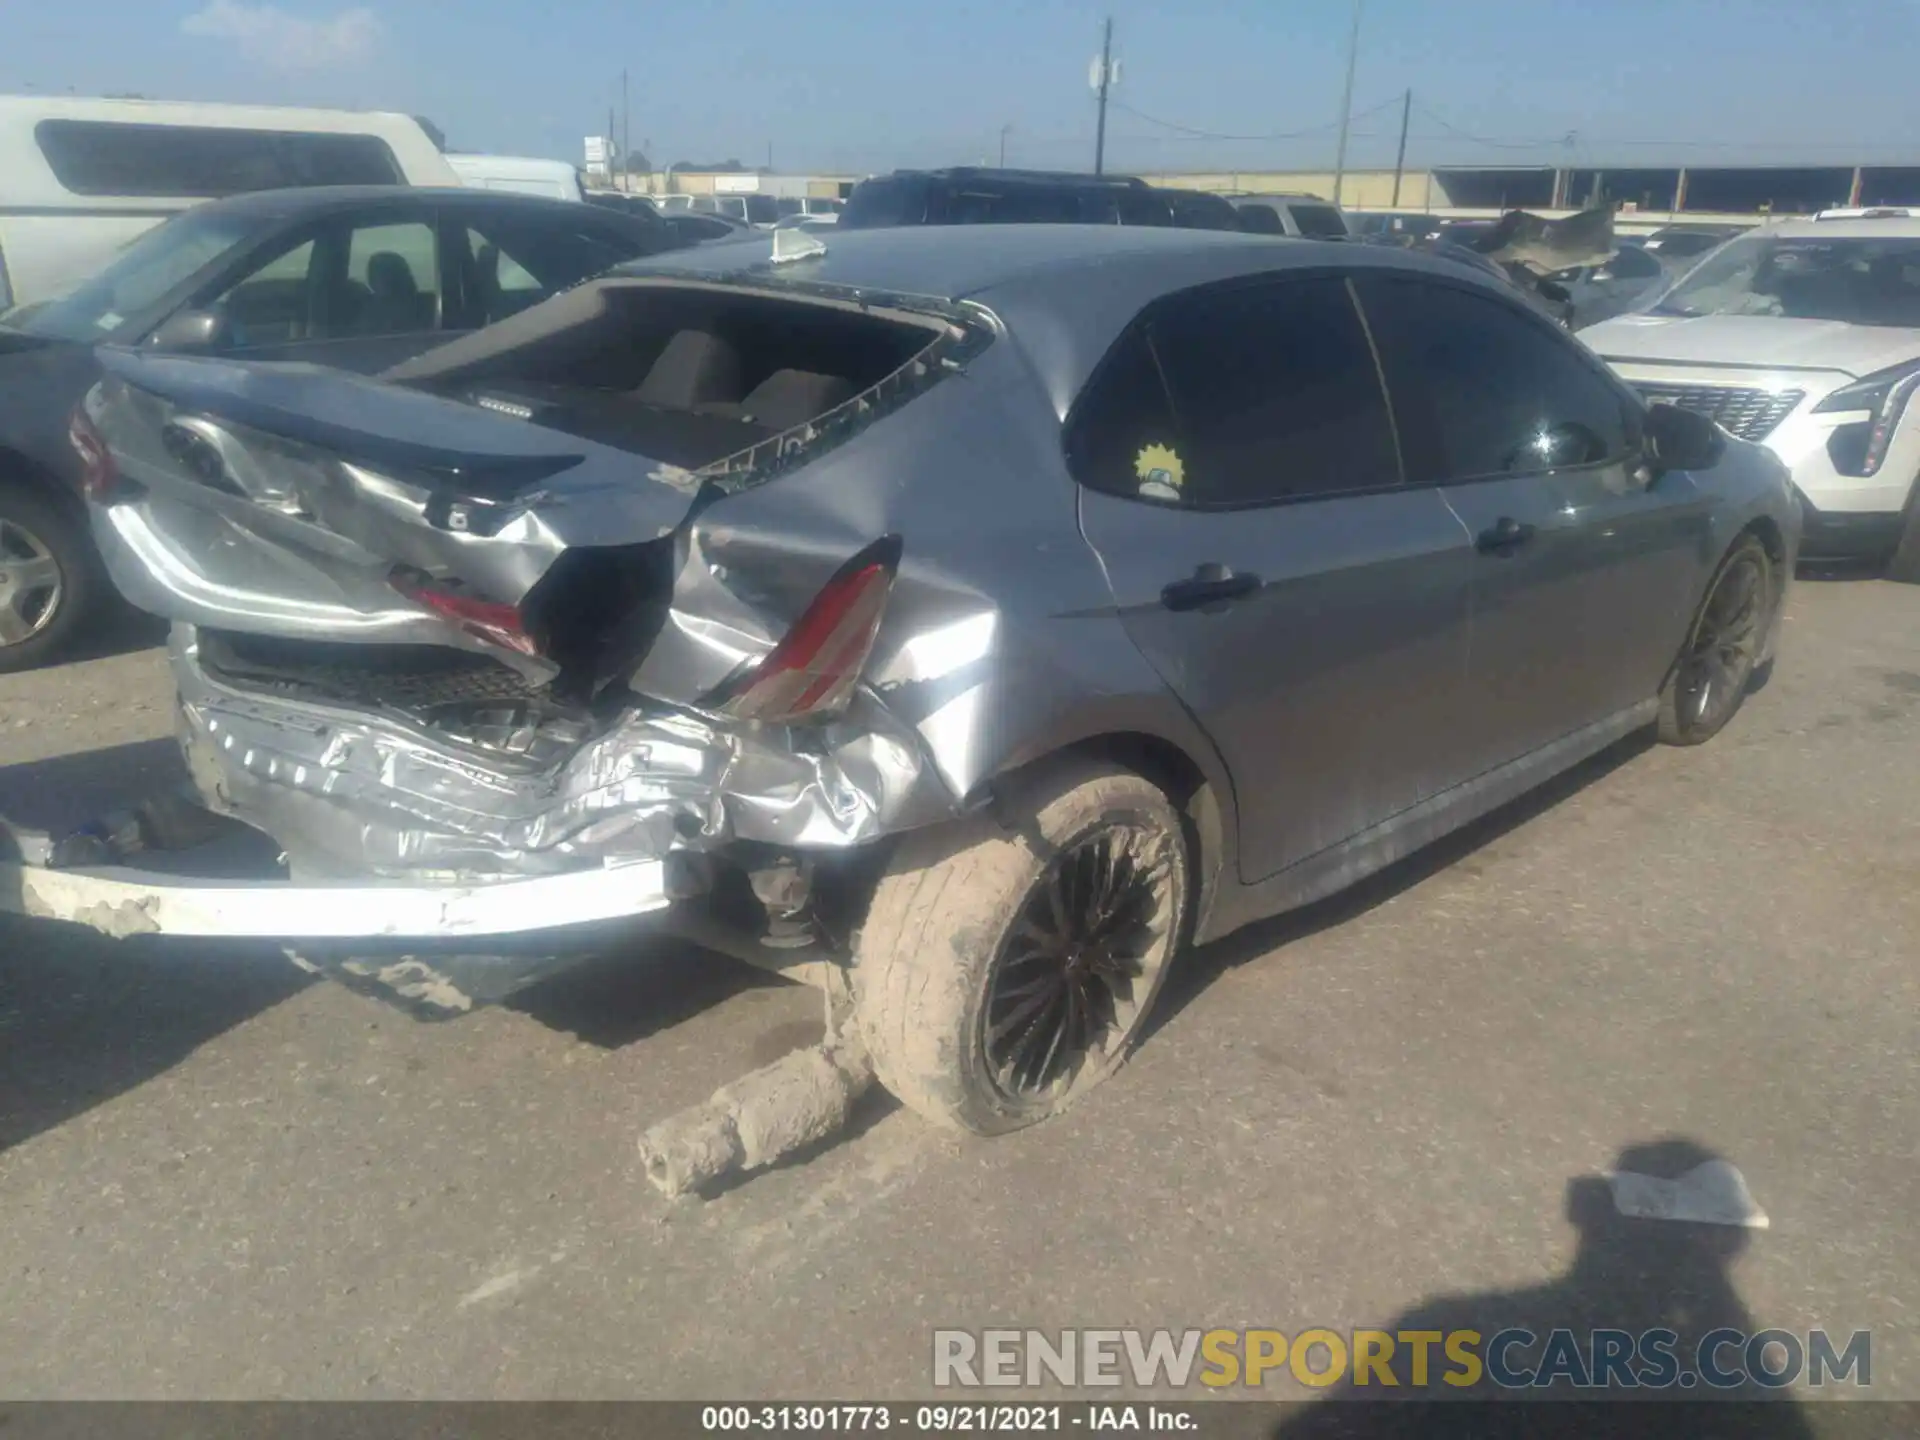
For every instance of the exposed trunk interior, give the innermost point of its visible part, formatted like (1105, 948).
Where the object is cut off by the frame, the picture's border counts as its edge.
(466, 697)
(684, 374)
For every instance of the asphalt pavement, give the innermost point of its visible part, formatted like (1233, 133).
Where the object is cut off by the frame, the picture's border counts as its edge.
(221, 1179)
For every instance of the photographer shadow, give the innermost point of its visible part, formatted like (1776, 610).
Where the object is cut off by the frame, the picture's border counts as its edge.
(1629, 1274)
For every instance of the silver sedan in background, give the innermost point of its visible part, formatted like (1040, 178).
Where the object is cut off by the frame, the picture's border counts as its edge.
(969, 618)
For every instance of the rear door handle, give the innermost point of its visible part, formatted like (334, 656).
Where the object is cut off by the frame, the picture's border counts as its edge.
(1212, 584)
(1503, 537)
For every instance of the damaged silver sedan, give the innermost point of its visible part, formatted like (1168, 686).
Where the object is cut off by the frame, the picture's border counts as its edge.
(967, 620)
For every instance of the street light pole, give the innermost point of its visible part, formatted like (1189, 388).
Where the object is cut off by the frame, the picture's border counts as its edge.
(1106, 77)
(1400, 161)
(1003, 145)
(1346, 104)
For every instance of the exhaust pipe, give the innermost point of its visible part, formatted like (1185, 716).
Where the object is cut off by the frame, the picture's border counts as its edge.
(797, 1101)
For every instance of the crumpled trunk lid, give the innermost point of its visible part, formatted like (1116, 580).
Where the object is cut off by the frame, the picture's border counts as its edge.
(305, 503)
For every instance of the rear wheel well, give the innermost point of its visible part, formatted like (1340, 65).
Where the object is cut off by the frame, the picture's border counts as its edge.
(18, 470)
(1183, 782)
(1769, 536)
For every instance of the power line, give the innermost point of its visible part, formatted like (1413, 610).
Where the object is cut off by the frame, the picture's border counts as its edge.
(1446, 124)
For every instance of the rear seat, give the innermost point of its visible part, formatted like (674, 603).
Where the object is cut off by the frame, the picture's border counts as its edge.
(788, 398)
(695, 369)
(704, 373)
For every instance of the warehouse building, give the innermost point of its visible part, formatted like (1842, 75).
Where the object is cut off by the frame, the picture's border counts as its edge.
(1707, 192)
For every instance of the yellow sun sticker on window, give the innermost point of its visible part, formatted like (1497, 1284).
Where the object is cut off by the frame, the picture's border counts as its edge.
(1160, 472)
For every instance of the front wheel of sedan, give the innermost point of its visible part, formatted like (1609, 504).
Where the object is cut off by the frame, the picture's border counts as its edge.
(1001, 973)
(1709, 681)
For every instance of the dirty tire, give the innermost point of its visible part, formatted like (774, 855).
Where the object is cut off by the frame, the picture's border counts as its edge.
(40, 624)
(1717, 664)
(953, 955)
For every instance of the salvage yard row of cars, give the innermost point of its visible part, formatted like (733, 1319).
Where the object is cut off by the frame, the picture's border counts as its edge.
(965, 618)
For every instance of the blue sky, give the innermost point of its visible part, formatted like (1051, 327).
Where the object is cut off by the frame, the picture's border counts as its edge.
(865, 85)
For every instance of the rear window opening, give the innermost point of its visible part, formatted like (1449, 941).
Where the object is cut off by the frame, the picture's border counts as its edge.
(696, 376)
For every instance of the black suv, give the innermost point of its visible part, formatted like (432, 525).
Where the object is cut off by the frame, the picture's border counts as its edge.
(978, 196)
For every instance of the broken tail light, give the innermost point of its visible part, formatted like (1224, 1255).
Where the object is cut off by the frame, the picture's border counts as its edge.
(812, 671)
(99, 476)
(489, 620)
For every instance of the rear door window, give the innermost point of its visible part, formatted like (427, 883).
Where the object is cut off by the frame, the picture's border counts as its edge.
(393, 280)
(1240, 396)
(96, 157)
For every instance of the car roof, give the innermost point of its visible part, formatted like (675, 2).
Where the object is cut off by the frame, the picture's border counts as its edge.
(1895, 227)
(314, 199)
(974, 174)
(1067, 291)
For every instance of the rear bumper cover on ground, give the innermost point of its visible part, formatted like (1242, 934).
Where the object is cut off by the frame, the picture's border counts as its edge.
(123, 901)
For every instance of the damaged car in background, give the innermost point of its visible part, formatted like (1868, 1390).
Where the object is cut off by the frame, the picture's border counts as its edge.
(1542, 258)
(966, 620)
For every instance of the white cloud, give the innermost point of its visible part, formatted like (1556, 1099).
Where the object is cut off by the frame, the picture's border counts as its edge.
(269, 35)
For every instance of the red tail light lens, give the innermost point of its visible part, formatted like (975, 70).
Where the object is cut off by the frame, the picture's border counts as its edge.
(812, 671)
(487, 620)
(99, 476)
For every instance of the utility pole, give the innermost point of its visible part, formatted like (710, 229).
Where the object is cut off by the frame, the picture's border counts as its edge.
(626, 134)
(1400, 161)
(1003, 145)
(1346, 104)
(1106, 77)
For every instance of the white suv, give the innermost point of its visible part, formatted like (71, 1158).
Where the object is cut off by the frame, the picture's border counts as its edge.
(1804, 335)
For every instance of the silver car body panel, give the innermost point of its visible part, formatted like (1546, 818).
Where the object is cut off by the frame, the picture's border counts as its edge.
(1024, 618)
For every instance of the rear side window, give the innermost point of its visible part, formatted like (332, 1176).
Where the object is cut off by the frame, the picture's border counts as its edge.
(1236, 397)
(518, 264)
(1633, 263)
(1481, 389)
(1321, 222)
(1685, 247)
(888, 201)
(1261, 219)
(1198, 211)
(1024, 205)
(97, 157)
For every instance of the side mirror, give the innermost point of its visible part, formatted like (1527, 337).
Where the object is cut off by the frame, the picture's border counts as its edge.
(191, 330)
(1683, 439)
